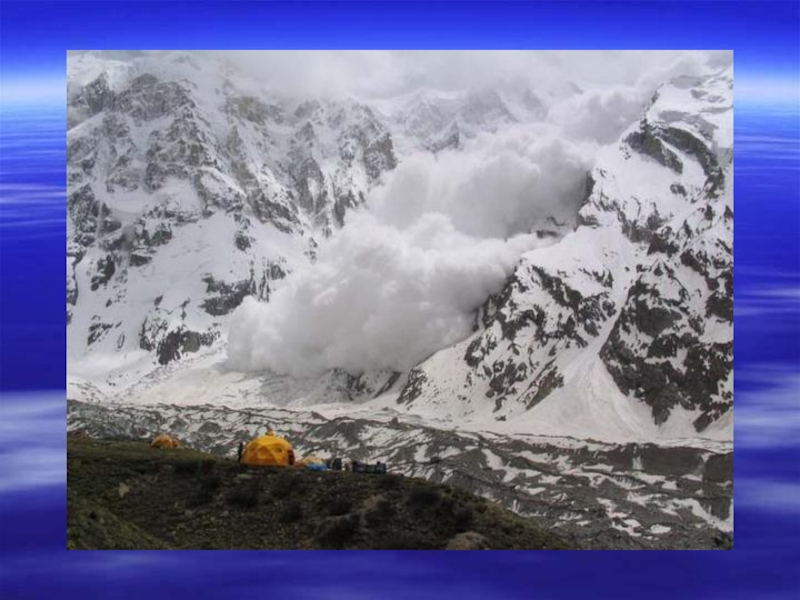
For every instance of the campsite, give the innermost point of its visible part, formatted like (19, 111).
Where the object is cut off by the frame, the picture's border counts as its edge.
(133, 495)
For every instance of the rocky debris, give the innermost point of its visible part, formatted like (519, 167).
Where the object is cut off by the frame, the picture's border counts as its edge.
(597, 495)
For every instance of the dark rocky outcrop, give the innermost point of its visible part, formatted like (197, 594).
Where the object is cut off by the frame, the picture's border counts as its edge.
(648, 142)
(178, 342)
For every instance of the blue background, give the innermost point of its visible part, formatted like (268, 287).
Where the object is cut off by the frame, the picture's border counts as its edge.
(765, 38)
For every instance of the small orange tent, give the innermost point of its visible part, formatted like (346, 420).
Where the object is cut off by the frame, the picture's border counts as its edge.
(165, 441)
(268, 450)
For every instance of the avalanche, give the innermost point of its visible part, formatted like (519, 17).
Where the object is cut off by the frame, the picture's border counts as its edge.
(547, 256)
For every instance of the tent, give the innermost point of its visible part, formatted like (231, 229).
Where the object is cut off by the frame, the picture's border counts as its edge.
(165, 441)
(268, 450)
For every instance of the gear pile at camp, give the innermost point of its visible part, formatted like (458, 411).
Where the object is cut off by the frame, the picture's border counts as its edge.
(273, 450)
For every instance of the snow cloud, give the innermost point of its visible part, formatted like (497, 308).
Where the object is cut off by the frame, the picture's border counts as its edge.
(379, 297)
(403, 277)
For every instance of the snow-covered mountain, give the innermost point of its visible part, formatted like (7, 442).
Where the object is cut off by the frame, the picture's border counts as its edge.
(625, 326)
(192, 185)
(185, 195)
(191, 188)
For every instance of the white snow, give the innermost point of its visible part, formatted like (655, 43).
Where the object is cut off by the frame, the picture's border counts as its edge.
(398, 286)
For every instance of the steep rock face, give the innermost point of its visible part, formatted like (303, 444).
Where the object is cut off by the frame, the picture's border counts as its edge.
(186, 196)
(627, 321)
(183, 171)
(672, 345)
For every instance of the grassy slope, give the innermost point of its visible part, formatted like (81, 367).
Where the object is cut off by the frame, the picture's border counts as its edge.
(128, 495)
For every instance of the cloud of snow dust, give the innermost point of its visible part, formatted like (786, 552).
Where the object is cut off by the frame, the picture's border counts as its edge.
(500, 184)
(379, 297)
(403, 277)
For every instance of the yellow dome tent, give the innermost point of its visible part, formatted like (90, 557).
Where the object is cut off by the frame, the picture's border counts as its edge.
(165, 441)
(268, 450)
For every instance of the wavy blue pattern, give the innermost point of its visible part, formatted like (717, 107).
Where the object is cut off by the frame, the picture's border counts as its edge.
(32, 245)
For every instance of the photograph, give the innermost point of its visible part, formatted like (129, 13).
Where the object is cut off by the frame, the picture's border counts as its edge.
(399, 299)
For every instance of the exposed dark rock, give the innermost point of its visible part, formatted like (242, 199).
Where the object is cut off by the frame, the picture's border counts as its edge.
(677, 188)
(660, 384)
(267, 211)
(506, 376)
(413, 387)
(550, 381)
(97, 331)
(90, 216)
(647, 142)
(147, 98)
(182, 341)
(379, 156)
(242, 241)
(137, 260)
(95, 96)
(228, 296)
(105, 271)
(150, 332)
(719, 469)
(688, 143)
